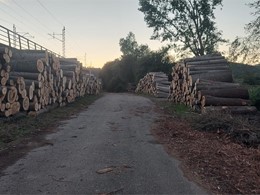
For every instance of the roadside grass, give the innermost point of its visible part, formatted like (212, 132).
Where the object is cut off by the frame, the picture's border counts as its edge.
(14, 130)
(179, 110)
(243, 129)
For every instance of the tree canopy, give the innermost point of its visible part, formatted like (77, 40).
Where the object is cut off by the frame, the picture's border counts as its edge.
(129, 46)
(247, 49)
(136, 61)
(189, 24)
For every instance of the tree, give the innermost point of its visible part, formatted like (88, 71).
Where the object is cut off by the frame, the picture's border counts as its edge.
(136, 61)
(129, 46)
(188, 23)
(247, 49)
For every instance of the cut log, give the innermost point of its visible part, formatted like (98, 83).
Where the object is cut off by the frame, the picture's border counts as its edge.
(223, 76)
(25, 103)
(203, 58)
(206, 71)
(15, 108)
(219, 101)
(27, 75)
(200, 83)
(33, 66)
(12, 94)
(69, 74)
(208, 67)
(32, 55)
(230, 109)
(226, 93)
(163, 89)
(3, 91)
(4, 50)
(3, 81)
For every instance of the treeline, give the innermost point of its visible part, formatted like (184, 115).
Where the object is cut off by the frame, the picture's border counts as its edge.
(135, 62)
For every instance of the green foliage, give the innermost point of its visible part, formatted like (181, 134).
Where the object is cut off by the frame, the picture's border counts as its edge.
(247, 74)
(129, 46)
(255, 96)
(134, 64)
(189, 23)
(252, 79)
(179, 110)
(247, 49)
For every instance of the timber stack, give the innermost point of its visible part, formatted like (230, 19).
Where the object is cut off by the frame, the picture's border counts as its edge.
(206, 84)
(31, 80)
(154, 83)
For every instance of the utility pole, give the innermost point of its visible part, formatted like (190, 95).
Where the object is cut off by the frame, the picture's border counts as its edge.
(63, 41)
(15, 33)
(53, 35)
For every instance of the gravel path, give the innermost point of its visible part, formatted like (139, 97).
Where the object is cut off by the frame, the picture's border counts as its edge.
(106, 149)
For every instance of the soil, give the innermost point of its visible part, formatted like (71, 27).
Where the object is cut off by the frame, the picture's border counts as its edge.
(214, 160)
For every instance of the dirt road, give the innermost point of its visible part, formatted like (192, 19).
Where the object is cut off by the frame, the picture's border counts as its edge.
(106, 149)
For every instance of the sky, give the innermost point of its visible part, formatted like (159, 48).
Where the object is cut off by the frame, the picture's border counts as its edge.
(94, 27)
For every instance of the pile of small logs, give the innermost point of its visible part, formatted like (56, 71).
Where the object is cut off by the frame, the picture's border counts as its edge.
(154, 83)
(33, 79)
(206, 84)
(9, 103)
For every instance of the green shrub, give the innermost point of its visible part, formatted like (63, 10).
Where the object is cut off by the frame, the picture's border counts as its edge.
(255, 96)
(252, 79)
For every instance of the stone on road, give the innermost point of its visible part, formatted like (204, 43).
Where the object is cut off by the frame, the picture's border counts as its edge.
(107, 148)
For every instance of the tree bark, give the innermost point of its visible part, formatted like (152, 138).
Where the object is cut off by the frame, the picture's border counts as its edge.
(26, 75)
(223, 76)
(32, 66)
(230, 109)
(220, 101)
(225, 93)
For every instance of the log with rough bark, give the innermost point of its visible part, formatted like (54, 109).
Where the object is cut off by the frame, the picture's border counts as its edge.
(230, 109)
(219, 75)
(33, 66)
(30, 55)
(26, 75)
(226, 93)
(208, 100)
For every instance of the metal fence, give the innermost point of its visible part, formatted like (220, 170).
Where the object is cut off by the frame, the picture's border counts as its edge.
(14, 40)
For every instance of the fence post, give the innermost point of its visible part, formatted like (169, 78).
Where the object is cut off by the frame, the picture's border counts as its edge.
(20, 44)
(9, 40)
(28, 43)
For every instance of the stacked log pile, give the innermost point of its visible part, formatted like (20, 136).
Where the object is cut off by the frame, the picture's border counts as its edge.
(154, 83)
(206, 84)
(9, 101)
(33, 79)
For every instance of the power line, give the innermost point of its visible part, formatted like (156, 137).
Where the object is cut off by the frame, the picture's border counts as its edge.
(47, 10)
(48, 29)
(76, 45)
(15, 18)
